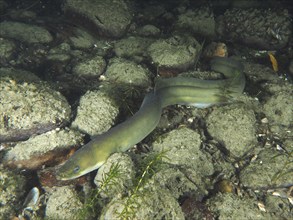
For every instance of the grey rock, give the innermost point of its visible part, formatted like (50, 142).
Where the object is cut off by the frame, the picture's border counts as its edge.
(26, 33)
(12, 188)
(90, 67)
(229, 206)
(269, 169)
(28, 106)
(127, 72)
(278, 207)
(121, 183)
(177, 52)
(199, 21)
(60, 53)
(109, 17)
(42, 149)
(182, 148)
(264, 28)
(132, 47)
(96, 113)
(151, 202)
(234, 126)
(82, 39)
(7, 48)
(148, 31)
(176, 182)
(278, 108)
(63, 203)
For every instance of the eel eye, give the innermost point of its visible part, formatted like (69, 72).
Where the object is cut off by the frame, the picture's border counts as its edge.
(76, 169)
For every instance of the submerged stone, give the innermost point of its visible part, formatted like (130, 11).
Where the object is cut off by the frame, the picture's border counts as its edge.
(28, 106)
(26, 33)
(96, 113)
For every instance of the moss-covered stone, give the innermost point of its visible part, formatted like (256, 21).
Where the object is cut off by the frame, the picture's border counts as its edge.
(29, 106)
(96, 113)
(234, 125)
(26, 33)
(177, 52)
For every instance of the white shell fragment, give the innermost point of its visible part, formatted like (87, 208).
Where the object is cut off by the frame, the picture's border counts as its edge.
(31, 199)
(30, 204)
(261, 207)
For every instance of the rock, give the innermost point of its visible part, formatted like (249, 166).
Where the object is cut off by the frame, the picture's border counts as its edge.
(82, 39)
(12, 187)
(96, 113)
(182, 148)
(91, 67)
(107, 17)
(199, 21)
(176, 182)
(234, 126)
(45, 149)
(132, 47)
(148, 31)
(264, 28)
(177, 52)
(120, 182)
(7, 48)
(122, 71)
(271, 168)
(151, 202)
(60, 53)
(28, 106)
(26, 33)
(63, 203)
(278, 109)
(278, 207)
(230, 206)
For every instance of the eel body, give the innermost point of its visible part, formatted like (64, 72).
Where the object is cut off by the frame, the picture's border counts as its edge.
(177, 90)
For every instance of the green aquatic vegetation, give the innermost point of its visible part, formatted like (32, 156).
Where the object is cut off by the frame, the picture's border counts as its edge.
(129, 97)
(150, 165)
(286, 169)
(147, 168)
(110, 179)
(126, 95)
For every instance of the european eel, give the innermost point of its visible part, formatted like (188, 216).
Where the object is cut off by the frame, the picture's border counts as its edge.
(177, 90)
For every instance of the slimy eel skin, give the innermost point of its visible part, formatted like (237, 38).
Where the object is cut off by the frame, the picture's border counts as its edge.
(177, 90)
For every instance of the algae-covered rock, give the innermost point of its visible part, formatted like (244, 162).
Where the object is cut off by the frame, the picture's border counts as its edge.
(28, 106)
(40, 150)
(150, 202)
(264, 28)
(60, 53)
(278, 207)
(199, 21)
(229, 206)
(96, 113)
(90, 67)
(271, 168)
(148, 31)
(132, 47)
(176, 182)
(113, 182)
(177, 52)
(108, 18)
(26, 33)
(127, 72)
(182, 148)
(234, 126)
(63, 203)
(7, 48)
(12, 188)
(82, 39)
(279, 111)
